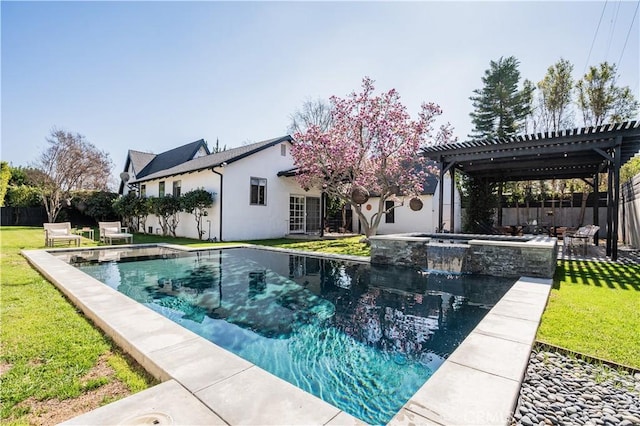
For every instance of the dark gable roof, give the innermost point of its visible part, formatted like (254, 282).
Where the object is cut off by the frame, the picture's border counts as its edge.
(172, 158)
(209, 161)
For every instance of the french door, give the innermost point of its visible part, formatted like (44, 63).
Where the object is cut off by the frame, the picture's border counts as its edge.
(304, 214)
(296, 214)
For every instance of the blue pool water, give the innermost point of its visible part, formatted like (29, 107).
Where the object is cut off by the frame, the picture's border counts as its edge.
(362, 338)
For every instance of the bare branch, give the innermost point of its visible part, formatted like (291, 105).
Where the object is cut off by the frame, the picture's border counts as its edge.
(70, 163)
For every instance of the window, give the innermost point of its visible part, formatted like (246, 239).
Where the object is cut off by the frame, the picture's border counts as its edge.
(258, 192)
(283, 150)
(177, 187)
(390, 216)
(143, 190)
(161, 189)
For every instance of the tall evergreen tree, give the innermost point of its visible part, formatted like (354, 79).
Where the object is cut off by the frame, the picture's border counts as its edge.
(500, 110)
(500, 107)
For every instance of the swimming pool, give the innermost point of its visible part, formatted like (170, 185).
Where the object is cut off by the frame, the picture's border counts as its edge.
(362, 338)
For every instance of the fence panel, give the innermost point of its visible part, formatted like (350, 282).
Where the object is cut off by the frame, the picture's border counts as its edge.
(629, 229)
(22, 216)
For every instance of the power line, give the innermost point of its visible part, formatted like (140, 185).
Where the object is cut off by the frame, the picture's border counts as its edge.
(612, 30)
(628, 32)
(594, 37)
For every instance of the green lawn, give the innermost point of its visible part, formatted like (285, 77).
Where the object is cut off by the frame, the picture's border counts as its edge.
(594, 308)
(48, 349)
(350, 246)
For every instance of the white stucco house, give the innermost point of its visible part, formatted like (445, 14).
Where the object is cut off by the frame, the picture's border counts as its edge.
(251, 200)
(404, 219)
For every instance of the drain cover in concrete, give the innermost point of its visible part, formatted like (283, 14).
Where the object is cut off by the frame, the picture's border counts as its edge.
(165, 404)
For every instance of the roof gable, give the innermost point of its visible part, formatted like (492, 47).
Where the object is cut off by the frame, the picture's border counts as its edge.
(139, 160)
(209, 161)
(172, 158)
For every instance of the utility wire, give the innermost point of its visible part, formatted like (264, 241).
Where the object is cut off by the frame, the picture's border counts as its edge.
(612, 30)
(628, 32)
(594, 37)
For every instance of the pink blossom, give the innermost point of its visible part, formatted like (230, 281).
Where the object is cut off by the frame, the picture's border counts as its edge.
(373, 144)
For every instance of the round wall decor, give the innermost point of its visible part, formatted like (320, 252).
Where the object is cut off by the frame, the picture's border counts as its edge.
(415, 204)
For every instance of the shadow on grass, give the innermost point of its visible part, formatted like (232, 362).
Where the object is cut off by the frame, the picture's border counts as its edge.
(559, 276)
(615, 276)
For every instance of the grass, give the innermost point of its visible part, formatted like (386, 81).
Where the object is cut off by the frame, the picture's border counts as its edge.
(349, 246)
(47, 346)
(594, 309)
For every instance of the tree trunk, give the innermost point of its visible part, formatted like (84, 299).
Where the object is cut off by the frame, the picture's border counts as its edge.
(368, 229)
(583, 207)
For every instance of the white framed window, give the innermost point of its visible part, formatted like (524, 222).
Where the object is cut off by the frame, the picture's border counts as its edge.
(143, 190)
(161, 189)
(177, 188)
(258, 192)
(283, 150)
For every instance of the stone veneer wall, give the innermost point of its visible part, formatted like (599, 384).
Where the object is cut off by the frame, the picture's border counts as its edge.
(403, 251)
(535, 257)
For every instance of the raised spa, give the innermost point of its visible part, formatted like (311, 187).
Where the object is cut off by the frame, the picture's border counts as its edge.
(495, 255)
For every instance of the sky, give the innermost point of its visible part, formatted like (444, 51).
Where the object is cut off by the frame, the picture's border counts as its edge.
(152, 76)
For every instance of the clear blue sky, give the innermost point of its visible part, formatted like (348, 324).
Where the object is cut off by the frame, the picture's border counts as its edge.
(154, 75)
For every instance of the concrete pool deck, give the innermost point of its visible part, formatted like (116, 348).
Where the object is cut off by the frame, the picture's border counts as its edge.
(205, 384)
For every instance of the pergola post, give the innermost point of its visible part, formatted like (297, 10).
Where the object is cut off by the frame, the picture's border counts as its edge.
(453, 188)
(616, 197)
(596, 207)
(609, 206)
(441, 197)
(323, 213)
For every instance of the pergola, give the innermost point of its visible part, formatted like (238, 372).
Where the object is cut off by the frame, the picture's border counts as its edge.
(576, 153)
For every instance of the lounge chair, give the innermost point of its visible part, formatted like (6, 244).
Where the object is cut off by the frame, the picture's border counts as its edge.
(580, 238)
(59, 232)
(110, 231)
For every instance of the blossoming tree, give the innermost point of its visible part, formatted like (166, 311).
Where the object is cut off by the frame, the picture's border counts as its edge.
(372, 147)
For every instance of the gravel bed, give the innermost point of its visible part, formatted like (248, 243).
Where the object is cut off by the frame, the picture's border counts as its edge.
(564, 390)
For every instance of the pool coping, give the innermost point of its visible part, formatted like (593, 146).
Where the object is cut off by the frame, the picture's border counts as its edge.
(486, 369)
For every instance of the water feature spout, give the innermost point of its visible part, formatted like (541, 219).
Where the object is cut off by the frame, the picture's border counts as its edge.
(446, 258)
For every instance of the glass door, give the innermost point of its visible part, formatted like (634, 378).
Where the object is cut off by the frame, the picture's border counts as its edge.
(296, 214)
(313, 214)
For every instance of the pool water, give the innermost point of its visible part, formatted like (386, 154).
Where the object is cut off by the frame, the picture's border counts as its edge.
(362, 338)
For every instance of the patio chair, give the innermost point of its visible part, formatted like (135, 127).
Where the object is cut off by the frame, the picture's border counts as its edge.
(580, 238)
(59, 232)
(110, 231)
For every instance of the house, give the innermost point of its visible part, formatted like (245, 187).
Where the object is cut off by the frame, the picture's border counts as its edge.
(251, 200)
(416, 216)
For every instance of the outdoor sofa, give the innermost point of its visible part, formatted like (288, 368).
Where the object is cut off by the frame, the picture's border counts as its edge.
(59, 232)
(110, 231)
